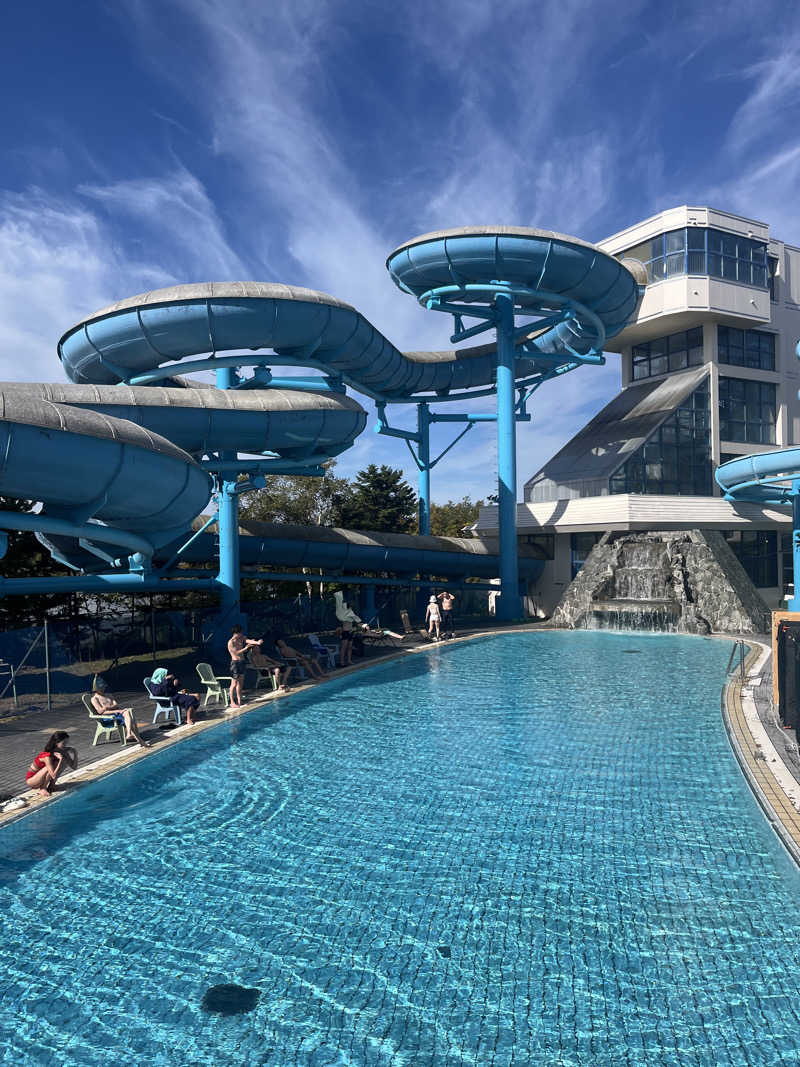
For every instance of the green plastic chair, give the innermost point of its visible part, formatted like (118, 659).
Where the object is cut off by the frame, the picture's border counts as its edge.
(104, 733)
(213, 683)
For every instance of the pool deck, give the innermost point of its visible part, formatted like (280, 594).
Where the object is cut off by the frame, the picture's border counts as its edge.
(767, 754)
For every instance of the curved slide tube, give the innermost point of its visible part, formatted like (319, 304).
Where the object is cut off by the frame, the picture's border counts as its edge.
(122, 460)
(262, 544)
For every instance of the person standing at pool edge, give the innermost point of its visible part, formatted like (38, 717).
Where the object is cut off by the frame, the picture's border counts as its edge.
(433, 617)
(448, 615)
(237, 647)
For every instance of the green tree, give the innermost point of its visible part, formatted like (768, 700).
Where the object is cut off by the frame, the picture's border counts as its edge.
(380, 500)
(450, 519)
(298, 499)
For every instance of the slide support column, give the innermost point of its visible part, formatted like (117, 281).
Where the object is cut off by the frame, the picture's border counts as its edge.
(794, 603)
(509, 604)
(228, 526)
(424, 448)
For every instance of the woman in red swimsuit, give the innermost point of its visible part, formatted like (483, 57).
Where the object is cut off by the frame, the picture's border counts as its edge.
(48, 765)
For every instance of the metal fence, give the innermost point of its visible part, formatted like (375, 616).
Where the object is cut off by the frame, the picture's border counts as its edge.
(50, 663)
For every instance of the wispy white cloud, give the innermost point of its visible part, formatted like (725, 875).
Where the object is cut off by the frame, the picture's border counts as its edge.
(58, 262)
(175, 220)
(774, 101)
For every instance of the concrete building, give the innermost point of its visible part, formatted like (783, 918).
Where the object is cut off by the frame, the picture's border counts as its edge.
(709, 372)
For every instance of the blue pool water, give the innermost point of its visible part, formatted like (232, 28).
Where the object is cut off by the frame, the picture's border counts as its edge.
(528, 849)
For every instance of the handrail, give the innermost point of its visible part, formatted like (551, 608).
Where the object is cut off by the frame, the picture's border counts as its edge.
(739, 646)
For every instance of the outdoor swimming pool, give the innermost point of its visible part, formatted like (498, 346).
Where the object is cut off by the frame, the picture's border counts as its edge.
(526, 849)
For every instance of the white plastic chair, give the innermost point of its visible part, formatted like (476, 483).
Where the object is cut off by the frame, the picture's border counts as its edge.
(103, 733)
(213, 683)
(165, 706)
(328, 651)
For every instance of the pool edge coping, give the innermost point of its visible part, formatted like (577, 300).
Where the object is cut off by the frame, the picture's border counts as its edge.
(772, 784)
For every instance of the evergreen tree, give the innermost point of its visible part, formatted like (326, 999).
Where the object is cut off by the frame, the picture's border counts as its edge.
(380, 500)
(450, 519)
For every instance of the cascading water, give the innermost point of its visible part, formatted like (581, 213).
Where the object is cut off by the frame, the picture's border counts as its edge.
(639, 596)
(687, 581)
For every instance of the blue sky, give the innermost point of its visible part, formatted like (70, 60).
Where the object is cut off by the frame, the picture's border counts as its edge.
(159, 142)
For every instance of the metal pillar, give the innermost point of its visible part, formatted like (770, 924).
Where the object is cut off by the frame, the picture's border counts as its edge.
(509, 605)
(424, 449)
(228, 526)
(794, 603)
(369, 611)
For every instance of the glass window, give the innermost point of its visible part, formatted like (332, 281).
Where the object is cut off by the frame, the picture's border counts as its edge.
(672, 353)
(675, 241)
(676, 459)
(746, 348)
(787, 562)
(747, 411)
(757, 551)
(581, 544)
(697, 250)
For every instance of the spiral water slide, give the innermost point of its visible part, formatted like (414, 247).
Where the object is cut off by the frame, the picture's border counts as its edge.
(125, 458)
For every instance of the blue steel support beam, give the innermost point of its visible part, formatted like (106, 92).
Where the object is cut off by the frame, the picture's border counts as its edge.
(794, 603)
(368, 609)
(509, 605)
(228, 527)
(424, 464)
(104, 583)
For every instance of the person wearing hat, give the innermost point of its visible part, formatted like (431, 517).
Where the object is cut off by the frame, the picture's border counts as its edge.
(433, 617)
(105, 704)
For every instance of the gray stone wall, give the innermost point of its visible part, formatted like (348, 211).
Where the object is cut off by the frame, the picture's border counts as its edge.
(704, 586)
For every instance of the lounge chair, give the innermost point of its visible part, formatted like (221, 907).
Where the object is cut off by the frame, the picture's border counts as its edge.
(408, 629)
(106, 727)
(213, 683)
(266, 676)
(328, 651)
(164, 705)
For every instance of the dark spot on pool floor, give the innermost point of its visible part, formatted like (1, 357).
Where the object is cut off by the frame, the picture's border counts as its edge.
(444, 950)
(631, 651)
(230, 999)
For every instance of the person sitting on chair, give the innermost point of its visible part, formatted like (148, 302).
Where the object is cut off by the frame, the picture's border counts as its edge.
(105, 704)
(307, 664)
(163, 684)
(279, 671)
(48, 765)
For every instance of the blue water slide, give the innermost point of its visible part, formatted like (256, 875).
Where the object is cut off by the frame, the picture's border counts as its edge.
(122, 459)
(543, 270)
(763, 478)
(345, 551)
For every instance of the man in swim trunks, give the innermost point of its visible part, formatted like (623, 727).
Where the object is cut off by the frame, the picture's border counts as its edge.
(237, 648)
(448, 615)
